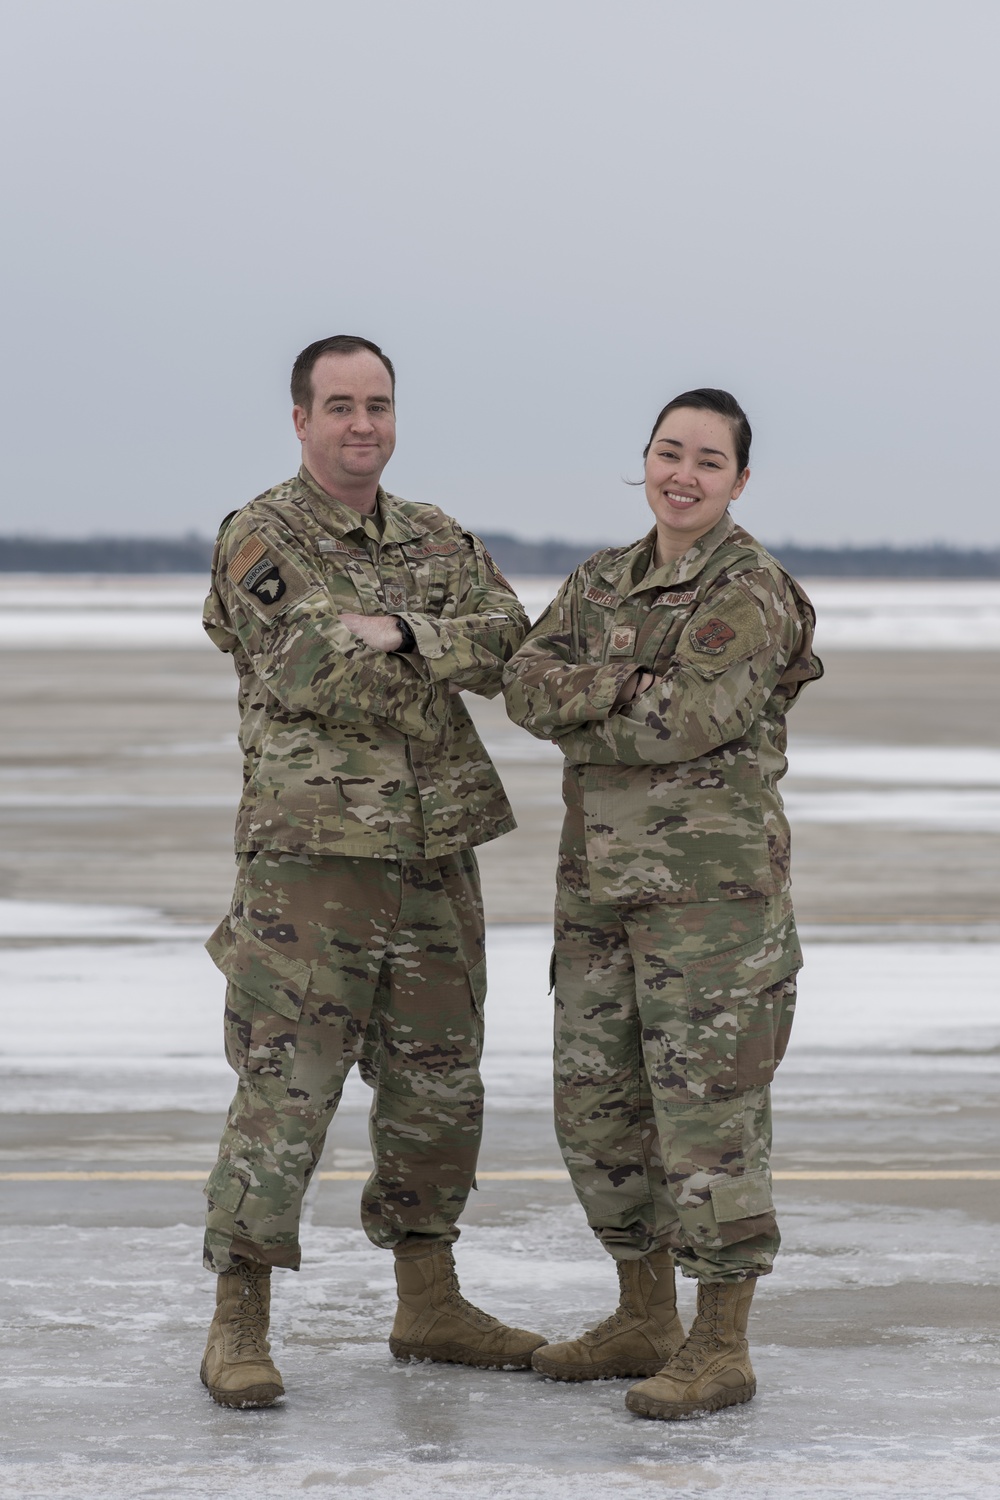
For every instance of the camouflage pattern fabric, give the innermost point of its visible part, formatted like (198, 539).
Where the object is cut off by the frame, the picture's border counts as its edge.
(347, 749)
(675, 953)
(675, 796)
(670, 1022)
(334, 960)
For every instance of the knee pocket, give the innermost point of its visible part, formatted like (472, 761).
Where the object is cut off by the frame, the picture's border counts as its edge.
(745, 1197)
(226, 1187)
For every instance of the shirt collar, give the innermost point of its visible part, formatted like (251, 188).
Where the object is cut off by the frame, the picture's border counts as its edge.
(633, 571)
(339, 519)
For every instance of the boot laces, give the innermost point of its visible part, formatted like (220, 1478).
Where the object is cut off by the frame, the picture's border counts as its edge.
(249, 1319)
(619, 1319)
(704, 1338)
(460, 1304)
(623, 1315)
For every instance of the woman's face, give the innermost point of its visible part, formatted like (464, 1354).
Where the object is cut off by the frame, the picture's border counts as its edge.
(691, 477)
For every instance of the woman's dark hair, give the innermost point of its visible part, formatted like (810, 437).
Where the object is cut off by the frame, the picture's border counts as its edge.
(706, 399)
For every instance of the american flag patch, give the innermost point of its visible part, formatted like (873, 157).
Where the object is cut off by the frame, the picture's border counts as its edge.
(252, 551)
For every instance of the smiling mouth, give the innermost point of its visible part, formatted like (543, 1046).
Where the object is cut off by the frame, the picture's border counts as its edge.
(683, 501)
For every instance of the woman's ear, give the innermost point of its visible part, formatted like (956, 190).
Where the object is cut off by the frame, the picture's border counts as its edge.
(739, 486)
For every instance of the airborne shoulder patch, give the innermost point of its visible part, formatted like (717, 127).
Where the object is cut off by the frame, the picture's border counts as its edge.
(254, 571)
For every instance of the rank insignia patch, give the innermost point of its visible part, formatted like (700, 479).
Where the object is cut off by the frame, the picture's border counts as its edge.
(395, 596)
(623, 640)
(264, 581)
(713, 637)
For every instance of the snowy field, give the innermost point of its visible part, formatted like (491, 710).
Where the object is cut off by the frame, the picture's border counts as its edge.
(84, 611)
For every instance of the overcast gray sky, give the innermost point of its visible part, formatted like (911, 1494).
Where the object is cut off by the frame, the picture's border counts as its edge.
(553, 215)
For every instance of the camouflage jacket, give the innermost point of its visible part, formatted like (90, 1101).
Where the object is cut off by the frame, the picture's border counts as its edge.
(673, 797)
(348, 749)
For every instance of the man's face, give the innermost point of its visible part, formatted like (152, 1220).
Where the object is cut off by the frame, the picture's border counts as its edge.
(349, 432)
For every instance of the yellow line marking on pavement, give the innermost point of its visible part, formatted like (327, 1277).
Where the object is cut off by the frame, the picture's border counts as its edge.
(976, 1175)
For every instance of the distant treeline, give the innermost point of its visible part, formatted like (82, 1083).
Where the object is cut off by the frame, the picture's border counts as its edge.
(192, 554)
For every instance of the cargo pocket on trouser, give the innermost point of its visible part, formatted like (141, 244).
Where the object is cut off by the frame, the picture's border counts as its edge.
(740, 1006)
(477, 989)
(264, 999)
(255, 1190)
(713, 1103)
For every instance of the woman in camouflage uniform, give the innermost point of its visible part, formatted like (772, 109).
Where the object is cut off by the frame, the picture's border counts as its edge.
(663, 671)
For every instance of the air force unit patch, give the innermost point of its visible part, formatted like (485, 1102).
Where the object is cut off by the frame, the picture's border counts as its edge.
(712, 638)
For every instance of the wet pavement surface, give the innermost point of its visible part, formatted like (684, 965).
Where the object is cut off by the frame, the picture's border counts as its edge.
(875, 1341)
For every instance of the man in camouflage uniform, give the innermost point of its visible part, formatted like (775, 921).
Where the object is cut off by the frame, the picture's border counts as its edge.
(355, 620)
(666, 688)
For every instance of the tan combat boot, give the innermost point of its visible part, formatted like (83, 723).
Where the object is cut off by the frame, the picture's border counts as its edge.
(712, 1369)
(640, 1336)
(434, 1321)
(237, 1367)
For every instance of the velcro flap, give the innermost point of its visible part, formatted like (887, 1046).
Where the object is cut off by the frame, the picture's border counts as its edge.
(743, 1197)
(723, 632)
(739, 973)
(226, 1186)
(273, 977)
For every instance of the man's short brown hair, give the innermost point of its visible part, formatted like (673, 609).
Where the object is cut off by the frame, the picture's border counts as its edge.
(339, 343)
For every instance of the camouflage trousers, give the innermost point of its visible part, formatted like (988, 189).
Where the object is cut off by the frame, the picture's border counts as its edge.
(330, 961)
(670, 1021)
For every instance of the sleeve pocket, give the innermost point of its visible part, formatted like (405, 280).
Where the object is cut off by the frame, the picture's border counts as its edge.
(723, 633)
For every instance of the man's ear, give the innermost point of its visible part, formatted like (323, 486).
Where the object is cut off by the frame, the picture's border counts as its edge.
(300, 417)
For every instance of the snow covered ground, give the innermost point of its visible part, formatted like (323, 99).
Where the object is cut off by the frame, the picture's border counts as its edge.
(875, 1340)
(136, 1024)
(114, 1011)
(129, 613)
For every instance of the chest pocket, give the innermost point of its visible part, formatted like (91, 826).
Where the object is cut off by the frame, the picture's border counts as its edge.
(648, 634)
(664, 637)
(435, 571)
(350, 576)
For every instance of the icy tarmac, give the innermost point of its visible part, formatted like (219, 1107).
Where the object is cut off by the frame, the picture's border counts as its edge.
(875, 1341)
(873, 1344)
